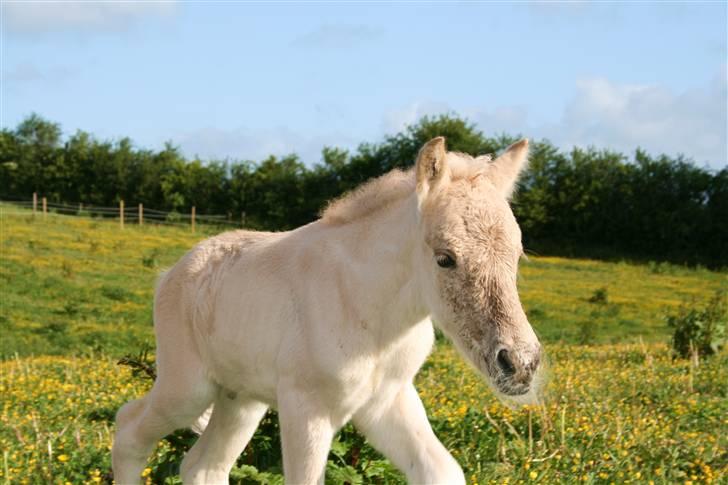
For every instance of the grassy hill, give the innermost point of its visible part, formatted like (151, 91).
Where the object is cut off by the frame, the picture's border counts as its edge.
(73, 285)
(77, 294)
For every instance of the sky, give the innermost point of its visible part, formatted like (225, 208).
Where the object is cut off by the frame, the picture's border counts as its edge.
(243, 80)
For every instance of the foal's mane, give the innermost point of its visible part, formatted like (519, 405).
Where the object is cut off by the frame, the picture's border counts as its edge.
(394, 185)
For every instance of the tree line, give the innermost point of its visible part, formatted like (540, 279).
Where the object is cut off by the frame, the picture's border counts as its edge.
(585, 202)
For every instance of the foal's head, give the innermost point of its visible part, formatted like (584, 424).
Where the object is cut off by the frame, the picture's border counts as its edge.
(471, 253)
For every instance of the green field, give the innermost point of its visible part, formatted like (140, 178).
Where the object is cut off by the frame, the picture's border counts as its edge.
(77, 295)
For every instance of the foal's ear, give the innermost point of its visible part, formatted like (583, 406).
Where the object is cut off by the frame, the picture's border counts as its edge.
(431, 166)
(503, 171)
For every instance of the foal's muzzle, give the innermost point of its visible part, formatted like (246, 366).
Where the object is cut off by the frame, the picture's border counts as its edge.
(515, 368)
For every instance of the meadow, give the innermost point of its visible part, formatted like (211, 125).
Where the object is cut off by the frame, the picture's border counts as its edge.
(618, 408)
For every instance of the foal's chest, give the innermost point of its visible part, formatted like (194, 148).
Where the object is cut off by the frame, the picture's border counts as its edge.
(399, 362)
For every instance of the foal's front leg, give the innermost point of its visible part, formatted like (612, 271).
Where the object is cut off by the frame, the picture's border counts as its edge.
(306, 434)
(400, 430)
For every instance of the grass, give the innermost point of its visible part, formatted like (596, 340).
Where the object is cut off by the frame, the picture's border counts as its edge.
(77, 294)
(81, 285)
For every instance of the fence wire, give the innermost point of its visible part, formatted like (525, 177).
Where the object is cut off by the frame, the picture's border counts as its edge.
(130, 213)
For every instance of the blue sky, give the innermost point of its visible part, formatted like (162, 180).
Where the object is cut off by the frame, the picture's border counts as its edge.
(244, 80)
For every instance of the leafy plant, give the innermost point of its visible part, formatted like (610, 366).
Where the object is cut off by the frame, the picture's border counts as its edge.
(140, 364)
(587, 332)
(67, 269)
(150, 260)
(701, 330)
(599, 296)
(115, 293)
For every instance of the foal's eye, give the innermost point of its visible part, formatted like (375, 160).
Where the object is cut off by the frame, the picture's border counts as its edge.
(444, 260)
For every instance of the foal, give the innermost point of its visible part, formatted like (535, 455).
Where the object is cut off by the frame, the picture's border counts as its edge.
(330, 323)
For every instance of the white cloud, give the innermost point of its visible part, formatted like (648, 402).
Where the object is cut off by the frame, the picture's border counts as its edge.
(398, 119)
(611, 115)
(511, 120)
(25, 72)
(245, 144)
(338, 36)
(623, 117)
(45, 17)
(560, 9)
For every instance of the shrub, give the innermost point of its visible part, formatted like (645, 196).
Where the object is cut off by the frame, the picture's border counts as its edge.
(701, 330)
(587, 331)
(116, 293)
(150, 260)
(67, 269)
(599, 296)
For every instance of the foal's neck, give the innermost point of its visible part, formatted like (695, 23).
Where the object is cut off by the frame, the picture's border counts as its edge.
(384, 246)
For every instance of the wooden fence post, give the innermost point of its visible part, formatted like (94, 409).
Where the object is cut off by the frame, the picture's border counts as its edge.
(35, 203)
(242, 219)
(141, 214)
(121, 214)
(192, 218)
(45, 207)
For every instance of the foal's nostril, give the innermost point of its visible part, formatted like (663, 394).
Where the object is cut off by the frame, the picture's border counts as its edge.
(505, 363)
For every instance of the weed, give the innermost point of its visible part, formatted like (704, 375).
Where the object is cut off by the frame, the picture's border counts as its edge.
(587, 332)
(599, 296)
(702, 330)
(140, 364)
(150, 260)
(67, 269)
(71, 308)
(115, 293)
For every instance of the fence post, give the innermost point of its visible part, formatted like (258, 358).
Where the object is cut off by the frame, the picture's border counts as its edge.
(121, 214)
(35, 203)
(45, 207)
(242, 219)
(141, 214)
(192, 218)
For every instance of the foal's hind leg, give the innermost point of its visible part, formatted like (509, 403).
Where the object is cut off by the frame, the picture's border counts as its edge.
(175, 401)
(233, 422)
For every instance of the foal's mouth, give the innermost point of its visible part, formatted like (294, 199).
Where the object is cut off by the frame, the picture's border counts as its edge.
(512, 390)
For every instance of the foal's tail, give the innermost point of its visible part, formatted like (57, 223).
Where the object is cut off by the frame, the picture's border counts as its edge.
(201, 423)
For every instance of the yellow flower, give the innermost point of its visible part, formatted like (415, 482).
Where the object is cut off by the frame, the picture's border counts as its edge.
(63, 458)
(146, 472)
(533, 475)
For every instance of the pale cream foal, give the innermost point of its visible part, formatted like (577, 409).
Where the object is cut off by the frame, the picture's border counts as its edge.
(330, 323)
